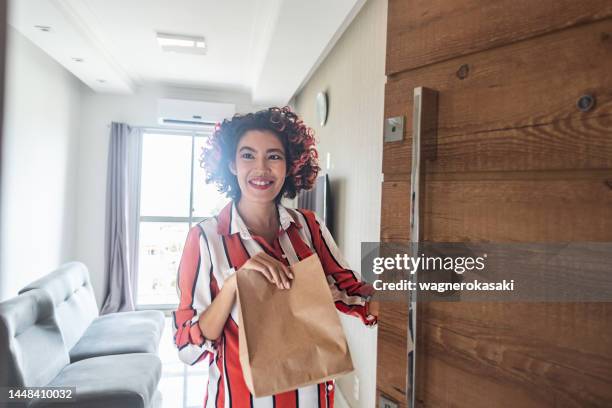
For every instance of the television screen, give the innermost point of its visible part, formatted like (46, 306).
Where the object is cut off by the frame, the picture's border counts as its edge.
(318, 199)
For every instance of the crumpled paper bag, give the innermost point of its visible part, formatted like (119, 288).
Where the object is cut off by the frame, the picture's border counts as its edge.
(289, 338)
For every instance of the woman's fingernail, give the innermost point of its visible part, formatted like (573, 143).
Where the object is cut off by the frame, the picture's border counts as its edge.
(290, 276)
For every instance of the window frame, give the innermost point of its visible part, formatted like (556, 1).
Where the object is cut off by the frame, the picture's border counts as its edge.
(193, 133)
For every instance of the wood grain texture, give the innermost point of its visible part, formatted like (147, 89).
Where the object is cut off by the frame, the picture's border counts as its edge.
(392, 354)
(522, 354)
(516, 109)
(392, 351)
(538, 209)
(510, 354)
(422, 32)
(395, 211)
(516, 161)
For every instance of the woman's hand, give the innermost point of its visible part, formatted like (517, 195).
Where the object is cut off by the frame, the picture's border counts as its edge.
(276, 272)
(213, 319)
(374, 305)
(374, 308)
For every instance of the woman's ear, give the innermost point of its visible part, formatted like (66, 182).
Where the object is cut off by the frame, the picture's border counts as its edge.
(232, 168)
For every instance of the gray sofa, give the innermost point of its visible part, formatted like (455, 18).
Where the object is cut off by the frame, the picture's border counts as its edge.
(51, 335)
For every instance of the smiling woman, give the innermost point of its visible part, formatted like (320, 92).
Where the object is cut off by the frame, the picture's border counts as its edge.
(289, 135)
(256, 159)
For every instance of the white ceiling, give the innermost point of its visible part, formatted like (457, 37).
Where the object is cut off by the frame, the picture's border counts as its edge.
(267, 48)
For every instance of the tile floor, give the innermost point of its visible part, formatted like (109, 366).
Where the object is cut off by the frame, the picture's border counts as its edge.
(181, 386)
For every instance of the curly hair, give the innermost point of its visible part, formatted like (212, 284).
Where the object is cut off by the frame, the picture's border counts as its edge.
(297, 139)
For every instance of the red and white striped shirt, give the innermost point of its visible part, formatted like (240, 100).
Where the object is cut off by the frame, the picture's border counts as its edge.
(214, 250)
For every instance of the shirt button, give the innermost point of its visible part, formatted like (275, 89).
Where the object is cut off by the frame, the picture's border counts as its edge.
(330, 387)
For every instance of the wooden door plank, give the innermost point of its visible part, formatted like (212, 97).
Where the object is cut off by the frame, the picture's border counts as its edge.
(392, 354)
(423, 32)
(526, 210)
(498, 356)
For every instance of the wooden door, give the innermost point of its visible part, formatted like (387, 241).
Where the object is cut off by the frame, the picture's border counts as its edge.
(521, 157)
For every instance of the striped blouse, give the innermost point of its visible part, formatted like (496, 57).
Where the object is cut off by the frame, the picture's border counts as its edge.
(216, 248)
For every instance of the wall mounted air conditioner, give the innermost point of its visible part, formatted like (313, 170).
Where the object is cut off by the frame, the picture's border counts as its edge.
(192, 113)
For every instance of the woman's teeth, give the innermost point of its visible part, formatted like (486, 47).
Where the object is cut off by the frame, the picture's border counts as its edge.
(261, 184)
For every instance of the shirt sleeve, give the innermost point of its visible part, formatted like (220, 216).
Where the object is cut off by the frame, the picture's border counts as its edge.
(351, 295)
(194, 291)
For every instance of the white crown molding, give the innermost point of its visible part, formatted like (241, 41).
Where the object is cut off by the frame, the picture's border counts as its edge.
(264, 24)
(79, 13)
(295, 50)
(332, 42)
(66, 40)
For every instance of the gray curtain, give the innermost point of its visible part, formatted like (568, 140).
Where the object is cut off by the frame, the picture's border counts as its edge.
(122, 217)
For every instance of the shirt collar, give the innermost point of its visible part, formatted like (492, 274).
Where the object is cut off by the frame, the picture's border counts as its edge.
(230, 222)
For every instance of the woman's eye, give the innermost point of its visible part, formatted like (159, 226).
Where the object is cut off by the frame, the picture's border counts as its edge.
(275, 157)
(247, 155)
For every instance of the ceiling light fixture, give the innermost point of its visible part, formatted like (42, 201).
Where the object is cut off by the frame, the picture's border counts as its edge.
(77, 59)
(43, 28)
(102, 81)
(186, 44)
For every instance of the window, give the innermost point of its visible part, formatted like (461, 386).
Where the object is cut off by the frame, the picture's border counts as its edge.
(174, 196)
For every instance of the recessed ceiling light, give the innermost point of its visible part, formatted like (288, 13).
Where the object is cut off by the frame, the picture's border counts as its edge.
(186, 44)
(102, 81)
(43, 28)
(76, 59)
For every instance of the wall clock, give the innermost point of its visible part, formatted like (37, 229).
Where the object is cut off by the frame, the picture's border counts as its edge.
(322, 108)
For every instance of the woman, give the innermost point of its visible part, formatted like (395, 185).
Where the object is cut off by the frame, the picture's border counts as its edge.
(256, 159)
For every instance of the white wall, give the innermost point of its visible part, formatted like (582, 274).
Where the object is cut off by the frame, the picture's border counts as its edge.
(39, 166)
(97, 112)
(353, 74)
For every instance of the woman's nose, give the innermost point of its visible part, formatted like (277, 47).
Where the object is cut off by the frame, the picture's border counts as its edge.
(262, 164)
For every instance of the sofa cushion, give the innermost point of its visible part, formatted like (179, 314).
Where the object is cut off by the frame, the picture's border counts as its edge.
(120, 333)
(73, 297)
(32, 351)
(121, 381)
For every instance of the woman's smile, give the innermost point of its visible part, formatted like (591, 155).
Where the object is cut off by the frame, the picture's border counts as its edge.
(261, 183)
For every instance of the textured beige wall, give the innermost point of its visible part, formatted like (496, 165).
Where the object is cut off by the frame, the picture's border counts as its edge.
(353, 76)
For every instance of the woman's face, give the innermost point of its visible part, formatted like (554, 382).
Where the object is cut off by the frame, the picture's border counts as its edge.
(260, 166)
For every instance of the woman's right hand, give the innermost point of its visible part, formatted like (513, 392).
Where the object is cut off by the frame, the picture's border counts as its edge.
(276, 272)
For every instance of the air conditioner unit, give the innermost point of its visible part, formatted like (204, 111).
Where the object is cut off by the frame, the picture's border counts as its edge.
(193, 113)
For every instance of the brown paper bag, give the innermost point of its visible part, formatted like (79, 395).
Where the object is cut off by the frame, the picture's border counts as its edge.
(289, 338)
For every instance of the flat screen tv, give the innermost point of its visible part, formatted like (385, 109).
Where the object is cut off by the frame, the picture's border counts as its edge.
(318, 199)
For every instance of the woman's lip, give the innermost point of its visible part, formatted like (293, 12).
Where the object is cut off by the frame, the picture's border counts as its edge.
(261, 183)
(262, 179)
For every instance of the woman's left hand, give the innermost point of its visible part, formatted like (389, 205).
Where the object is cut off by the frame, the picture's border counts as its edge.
(272, 269)
(374, 308)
